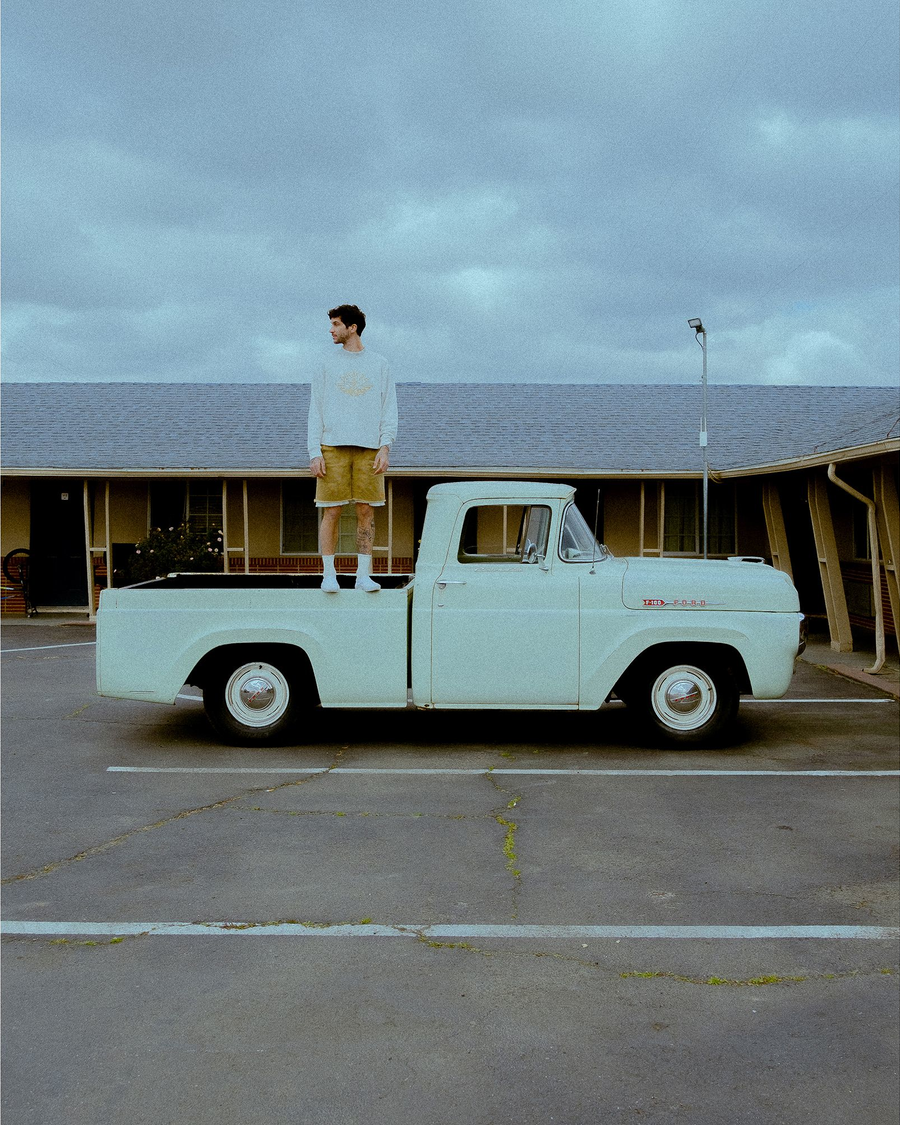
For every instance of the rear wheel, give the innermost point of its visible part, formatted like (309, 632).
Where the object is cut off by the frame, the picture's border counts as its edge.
(253, 701)
(15, 565)
(690, 702)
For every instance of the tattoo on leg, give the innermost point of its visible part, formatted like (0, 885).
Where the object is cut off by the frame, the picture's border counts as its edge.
(365, 537)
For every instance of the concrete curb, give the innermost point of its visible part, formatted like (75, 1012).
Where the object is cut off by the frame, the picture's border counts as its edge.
(888, 683)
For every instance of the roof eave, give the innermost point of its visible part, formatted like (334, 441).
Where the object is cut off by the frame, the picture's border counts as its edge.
(815, 460)
(396, 473)
(812, 460)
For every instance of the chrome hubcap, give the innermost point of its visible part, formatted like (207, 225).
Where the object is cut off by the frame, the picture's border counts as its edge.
(684, 698)
(257, 694)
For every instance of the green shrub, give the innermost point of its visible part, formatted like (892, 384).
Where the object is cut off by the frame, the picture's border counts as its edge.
(180, 548)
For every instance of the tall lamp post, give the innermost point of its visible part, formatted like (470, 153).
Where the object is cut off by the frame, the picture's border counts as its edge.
(697, 324)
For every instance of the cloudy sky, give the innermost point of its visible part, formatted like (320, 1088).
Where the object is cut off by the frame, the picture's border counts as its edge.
(517, 190)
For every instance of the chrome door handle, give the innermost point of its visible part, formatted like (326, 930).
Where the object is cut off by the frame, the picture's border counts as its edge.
(444, 582)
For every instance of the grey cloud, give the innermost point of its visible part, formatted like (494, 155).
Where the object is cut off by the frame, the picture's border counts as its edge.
(188, 187)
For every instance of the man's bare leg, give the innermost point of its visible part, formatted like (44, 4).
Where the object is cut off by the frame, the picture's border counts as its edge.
(328, 532)
(365, 539)
(328, 536)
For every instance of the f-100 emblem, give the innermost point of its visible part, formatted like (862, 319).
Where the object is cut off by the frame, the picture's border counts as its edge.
(689, 603)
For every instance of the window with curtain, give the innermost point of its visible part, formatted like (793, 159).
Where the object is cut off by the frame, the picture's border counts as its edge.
(683, 525)
(300, 520)
(204, 505)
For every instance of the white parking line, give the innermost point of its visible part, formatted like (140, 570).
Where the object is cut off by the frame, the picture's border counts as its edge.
(460, 930)
(751, 700)
(39, 648)
(490, 771)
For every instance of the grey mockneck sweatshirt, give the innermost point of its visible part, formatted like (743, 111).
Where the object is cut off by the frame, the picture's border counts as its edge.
(353, 401)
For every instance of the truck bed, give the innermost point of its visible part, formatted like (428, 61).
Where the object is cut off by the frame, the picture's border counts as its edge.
(153, 635)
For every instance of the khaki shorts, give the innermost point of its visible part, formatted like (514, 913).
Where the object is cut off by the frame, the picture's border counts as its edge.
(349, 477)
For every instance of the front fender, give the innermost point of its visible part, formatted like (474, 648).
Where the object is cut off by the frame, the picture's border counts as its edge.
(766, 643)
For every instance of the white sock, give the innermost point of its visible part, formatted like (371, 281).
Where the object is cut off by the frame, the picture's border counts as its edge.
(328, 565)
(363, 580)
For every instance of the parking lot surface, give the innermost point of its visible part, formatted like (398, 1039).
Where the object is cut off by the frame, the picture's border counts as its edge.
(420, 917)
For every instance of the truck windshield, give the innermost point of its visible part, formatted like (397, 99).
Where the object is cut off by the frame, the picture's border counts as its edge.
(577, 542)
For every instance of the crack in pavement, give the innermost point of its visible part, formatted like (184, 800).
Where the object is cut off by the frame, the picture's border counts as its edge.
(760, 981)
(365, 813)
(108, 845)
(509, 839)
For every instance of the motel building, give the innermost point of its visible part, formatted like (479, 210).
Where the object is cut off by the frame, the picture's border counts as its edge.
(793, 472)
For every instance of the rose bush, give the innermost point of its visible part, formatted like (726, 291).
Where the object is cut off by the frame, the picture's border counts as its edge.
(175, 549)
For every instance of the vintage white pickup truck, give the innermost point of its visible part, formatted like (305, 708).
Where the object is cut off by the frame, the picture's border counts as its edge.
(513, 604)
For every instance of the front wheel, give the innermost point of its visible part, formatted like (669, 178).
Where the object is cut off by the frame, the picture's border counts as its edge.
(253, 702)
(690, 703)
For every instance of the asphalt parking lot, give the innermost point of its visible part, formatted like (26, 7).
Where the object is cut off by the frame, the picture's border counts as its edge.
(444, 918)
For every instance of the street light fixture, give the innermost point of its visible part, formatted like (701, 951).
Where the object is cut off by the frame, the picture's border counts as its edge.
(697, 324)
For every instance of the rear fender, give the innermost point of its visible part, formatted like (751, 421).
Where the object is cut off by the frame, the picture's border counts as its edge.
(146, 666)
(281, 655)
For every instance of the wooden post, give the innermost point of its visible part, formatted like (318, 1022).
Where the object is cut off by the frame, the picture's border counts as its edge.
(89, 550)
(776, 529)
(661, 519)
(246, 530)
(829, 564)
(641, 517)
(888, 516)
(109, 580)
(226, 566)
(390, 516)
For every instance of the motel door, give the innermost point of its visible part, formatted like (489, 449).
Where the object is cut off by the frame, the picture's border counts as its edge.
(58, 571)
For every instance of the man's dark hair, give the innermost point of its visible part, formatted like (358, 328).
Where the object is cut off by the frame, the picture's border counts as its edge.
(347, 315)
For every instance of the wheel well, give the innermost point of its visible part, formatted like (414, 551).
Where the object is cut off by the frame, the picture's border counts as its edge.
(684, 652)
(289, 657)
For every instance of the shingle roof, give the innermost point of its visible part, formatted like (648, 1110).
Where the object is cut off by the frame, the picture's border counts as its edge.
(600, 428)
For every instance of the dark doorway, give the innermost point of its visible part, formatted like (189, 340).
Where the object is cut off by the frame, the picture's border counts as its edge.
(58, 570)
(802, 543)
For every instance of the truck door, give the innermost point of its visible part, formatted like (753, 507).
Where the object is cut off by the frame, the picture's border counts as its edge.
(504, 617)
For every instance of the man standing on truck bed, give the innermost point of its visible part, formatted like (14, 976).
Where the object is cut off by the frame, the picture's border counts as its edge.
(352, 423)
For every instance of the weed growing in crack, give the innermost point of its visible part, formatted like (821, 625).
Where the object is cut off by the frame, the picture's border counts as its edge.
(767, 979)
(509, 845)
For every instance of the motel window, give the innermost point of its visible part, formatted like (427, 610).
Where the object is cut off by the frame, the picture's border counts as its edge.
(168, 500)
(683, 528)
(861, 546)
(300, 520)
(204, 505)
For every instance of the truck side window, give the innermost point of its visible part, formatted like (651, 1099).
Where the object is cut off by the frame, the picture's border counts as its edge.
(498, 533)
(577, 542)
